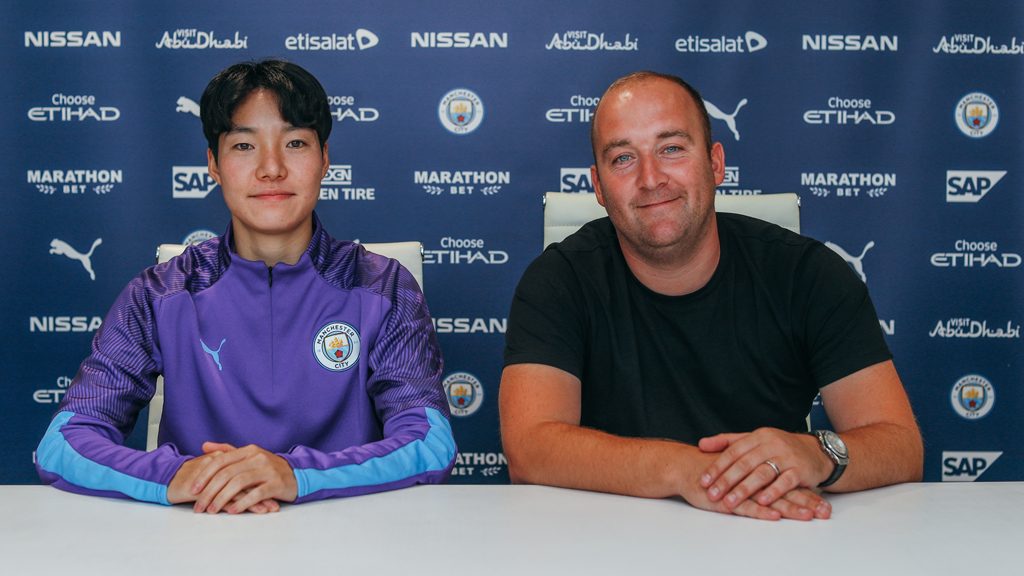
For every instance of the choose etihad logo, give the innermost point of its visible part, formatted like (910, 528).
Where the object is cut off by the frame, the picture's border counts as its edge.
(970, 185)
(52, 395)
(195, 39)
(73, 108)
(730, 185)
(848, 184)
(459, 39)
(344, 108)
(464, 251)
(462, 182)
(589, 42)
(971, 44)
(470, 325)
(850, 43)
(581, 109)
(337, 185)
(966, 466)
(361, 39)
(855, 111)
(74, 182)
(747, 43)
(968, 328)
(975, 254)
(73, 39)
(61, 324)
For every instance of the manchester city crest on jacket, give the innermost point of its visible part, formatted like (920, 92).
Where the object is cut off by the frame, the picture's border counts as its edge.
(336, 346)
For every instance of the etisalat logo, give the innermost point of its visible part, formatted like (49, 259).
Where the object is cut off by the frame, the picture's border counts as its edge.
(462, 182)
(584, 40)
(73, 108)
(848, 184)
(969, 328)
(749, 42)
(195, 39)
(361, 39)
(975, 254)
(74, 182)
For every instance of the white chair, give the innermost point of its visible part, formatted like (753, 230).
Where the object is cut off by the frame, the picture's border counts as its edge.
(565, 212)
(409, 254)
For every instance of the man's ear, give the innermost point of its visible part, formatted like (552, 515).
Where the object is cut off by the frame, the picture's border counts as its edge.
(718, 162)
(327, 162)
(596, 181)
(211, 164)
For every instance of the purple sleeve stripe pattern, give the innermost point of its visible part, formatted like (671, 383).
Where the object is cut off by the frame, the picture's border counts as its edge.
(414, 454)
(57, 458)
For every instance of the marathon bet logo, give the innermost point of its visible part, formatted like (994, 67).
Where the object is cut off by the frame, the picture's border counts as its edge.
(581, 109)
(850, 43)
(74, 182)
(73, 39)
(975, 254)
(73, 108)
(459, 39)
(971, 185)
(62, 324)
(464, 251)
(361, 39)
(848, 184)
(337, 185)
(576, 180)
(191, 182)
(344, 108)
(52, 395)
(487, 463)
(849, 111)
(589, 41)
(968, 328)
(462, 182)
(749, 42)
(972, 44)
(470, 325)
(966, 466)
(973, 397)
(195, 39)
(730, 185)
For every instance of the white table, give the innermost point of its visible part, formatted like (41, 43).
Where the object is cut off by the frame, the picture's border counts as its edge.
(926, 529)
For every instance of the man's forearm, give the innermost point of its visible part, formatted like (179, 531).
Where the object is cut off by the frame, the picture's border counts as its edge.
(880, 454)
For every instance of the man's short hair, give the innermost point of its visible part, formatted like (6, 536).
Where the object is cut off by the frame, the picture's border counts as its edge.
(301, 98)
(642, 75)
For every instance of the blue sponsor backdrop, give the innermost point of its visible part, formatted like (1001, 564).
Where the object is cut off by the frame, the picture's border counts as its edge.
(897, 123)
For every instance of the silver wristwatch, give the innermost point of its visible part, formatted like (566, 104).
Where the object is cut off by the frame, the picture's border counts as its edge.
(833, 447)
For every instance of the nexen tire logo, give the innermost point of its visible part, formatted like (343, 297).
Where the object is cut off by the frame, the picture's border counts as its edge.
(966, 466)
(192, 182)
(971, 185)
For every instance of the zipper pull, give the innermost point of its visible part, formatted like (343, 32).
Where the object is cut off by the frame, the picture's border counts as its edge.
(270, 276)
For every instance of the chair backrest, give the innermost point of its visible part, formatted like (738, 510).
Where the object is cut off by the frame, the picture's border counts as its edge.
(409, 254)
(565, 212)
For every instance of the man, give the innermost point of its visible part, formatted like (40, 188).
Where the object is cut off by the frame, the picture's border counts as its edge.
(671, 351)
(297, 367)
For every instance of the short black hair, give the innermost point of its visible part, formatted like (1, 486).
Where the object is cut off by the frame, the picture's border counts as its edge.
(642, 75)
(301, 98)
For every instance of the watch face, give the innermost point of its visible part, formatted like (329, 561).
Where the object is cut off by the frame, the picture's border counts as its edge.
(835, 443)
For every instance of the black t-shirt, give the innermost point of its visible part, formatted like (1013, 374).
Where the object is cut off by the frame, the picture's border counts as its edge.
(781, 317)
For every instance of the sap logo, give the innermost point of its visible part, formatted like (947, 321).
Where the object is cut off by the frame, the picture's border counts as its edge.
(971, 185)
(470, 325)
(64, 323)
(966, 466)
(191, 182)
(72, 39)
(576, 180)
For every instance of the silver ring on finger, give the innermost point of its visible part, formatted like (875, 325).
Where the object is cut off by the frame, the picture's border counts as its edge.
(775, 467)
